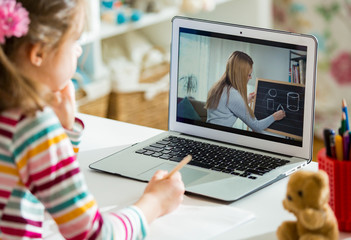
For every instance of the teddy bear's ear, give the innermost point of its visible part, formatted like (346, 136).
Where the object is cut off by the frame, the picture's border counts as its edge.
(322, 180)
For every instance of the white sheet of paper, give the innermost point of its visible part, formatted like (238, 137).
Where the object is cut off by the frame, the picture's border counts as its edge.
(197, 222)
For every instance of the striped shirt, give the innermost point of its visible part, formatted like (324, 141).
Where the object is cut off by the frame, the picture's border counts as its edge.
(39, 172)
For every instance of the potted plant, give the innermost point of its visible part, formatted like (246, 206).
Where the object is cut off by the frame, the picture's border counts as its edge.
(189, 84)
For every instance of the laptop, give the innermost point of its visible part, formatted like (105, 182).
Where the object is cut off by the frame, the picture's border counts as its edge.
(229, 162)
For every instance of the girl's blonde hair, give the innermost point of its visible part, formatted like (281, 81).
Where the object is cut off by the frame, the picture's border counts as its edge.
(236, 75)
(50, 22)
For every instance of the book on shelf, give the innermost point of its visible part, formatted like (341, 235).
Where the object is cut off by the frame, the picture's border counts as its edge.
(302, 69)
(297, 68)
(297, 73)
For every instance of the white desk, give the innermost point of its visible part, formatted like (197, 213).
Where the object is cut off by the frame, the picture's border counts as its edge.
(103, 137)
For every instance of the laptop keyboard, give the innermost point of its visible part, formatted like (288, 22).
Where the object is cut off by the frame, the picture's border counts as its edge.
(214, 157)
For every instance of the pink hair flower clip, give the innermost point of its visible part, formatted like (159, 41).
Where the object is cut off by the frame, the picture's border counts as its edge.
(14, 20)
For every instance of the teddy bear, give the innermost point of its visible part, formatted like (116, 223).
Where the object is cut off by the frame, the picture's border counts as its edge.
(307, 198)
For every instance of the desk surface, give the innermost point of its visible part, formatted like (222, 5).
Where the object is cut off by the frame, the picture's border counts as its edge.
(103, 137)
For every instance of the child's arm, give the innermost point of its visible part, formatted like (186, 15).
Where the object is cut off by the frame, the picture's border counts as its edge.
(51, 173)
(75, 134)
(161, 195)
(48, 169)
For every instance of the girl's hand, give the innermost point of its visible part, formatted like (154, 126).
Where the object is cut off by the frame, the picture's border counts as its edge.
(279, 115)
(64, 105)
(161, 196)
(251, 97)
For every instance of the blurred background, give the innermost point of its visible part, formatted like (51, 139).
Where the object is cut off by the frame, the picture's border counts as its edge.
(123, 73)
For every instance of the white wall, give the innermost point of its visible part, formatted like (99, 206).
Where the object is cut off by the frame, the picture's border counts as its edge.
(270, 62)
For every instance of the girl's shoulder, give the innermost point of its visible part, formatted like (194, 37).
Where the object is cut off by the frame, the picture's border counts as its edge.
(232, 90)
(43, 118)
(20, 123)
(234, 93)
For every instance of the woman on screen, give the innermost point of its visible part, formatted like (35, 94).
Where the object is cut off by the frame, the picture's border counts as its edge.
(227, 100)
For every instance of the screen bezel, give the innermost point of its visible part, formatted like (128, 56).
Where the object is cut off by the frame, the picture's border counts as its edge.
(305, 151)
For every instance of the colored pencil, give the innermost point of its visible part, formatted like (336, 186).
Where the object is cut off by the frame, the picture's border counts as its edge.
(343, 124)
(181, 164)
(346, 145)
(339, 147)
(344, 109)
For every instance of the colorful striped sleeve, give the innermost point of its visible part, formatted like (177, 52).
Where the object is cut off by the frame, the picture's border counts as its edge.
(128, 223)
(47, 166)
(75, 134)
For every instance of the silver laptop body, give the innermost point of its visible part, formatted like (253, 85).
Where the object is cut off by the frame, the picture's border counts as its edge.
(199, 52)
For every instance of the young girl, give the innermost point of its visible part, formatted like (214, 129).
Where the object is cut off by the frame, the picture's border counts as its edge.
(39, 134)
(227, 100)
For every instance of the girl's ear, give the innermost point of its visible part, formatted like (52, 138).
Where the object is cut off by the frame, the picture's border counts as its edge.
(36, 54)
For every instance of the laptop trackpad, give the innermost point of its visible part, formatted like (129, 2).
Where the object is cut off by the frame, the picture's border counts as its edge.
(188, 174)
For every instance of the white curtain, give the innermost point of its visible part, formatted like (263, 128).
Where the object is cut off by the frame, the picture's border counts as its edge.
(206, 58)
(193, 61)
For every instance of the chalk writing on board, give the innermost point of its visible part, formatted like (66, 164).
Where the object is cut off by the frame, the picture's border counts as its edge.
(272, 96)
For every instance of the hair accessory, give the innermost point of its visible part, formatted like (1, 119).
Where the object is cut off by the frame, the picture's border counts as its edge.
(14, 20)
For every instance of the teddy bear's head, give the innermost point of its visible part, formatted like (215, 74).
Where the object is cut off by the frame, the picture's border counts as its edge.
(306, 190)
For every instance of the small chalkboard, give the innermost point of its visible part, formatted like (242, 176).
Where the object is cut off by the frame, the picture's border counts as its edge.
(272, 96)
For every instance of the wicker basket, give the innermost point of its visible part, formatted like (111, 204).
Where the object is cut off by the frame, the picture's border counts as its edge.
(131, 105)
(97, 107)
(154, 73)
(134, 108)
(93, 98)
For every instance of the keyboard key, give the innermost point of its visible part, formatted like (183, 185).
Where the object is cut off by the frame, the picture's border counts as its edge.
(261, 169)
(226, 170)
(253, 171)
(216, 169)
(165, 156)
(199, 164)
(157, 145)
(157, 154)
(245, 174)
(176, 159)
(148, 153)
(153, 149)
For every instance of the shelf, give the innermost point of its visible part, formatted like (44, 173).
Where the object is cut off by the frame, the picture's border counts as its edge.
(108, 30)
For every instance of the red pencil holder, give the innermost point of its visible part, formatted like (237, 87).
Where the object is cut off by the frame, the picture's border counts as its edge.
(339, 173)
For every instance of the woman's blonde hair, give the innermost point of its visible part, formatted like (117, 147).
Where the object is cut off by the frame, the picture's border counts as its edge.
(50, 22)
(236, 75)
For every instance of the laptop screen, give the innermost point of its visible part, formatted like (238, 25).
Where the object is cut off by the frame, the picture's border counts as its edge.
(213, 69)
(250, 86)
